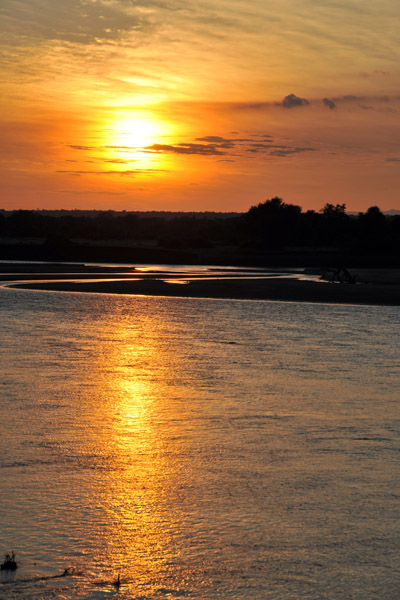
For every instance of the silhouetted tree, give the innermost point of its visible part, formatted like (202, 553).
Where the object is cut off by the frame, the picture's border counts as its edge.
(274, 222)
(372, 232)
(336, 225)
(334, 210)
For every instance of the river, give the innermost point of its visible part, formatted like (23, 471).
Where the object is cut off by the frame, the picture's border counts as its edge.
(200, 449)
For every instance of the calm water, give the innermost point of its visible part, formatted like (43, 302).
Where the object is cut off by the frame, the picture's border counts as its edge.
(201, 449)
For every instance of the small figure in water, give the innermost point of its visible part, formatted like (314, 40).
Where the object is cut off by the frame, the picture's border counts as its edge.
(9, 564)
(117, 583)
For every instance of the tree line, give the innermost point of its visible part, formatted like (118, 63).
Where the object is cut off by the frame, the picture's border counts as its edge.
(272, 225)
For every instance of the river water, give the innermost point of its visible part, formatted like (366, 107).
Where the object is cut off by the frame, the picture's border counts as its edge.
(199, 449)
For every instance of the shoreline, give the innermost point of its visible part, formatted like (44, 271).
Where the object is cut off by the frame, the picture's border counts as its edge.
(272, 288)
(373, 287)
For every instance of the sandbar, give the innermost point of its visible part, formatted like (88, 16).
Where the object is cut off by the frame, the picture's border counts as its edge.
(381, 288)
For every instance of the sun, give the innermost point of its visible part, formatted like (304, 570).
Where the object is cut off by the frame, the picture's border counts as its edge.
(132, 135)
(129, 137)
(132, 140)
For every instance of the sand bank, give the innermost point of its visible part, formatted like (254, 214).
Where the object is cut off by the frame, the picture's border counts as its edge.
(242, 288)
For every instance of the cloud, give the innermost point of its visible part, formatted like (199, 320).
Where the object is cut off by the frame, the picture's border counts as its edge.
(184, 148)
(266, 137)
(329, 103)
(213, 138)
(247, 145)
(188, 148)
(213, 146)
(380, 103)
(71, 21)
(120, 161)
(85, 192)
(353, 98)
(394, 159)
(260, 146)
(221, 142)
(377, 72)
(291, 151)
(251, 106)
(293, 101)
(128, 172)
(277, 149)
(79, 147)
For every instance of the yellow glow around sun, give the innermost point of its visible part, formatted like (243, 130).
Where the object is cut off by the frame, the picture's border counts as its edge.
(136, 134)
(129, 137)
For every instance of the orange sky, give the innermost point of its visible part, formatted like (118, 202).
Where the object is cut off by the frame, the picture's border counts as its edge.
(199, 105)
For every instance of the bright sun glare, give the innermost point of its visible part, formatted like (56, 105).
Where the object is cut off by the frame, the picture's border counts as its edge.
(133, 135)
(129, 136)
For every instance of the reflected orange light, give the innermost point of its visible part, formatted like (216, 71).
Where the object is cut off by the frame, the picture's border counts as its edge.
(137, 540)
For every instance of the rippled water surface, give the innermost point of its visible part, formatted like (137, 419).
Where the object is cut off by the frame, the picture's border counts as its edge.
(198, 448)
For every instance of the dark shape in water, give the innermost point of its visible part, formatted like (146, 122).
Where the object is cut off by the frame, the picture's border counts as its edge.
(9, 563)
(341, 275)
(117, 582)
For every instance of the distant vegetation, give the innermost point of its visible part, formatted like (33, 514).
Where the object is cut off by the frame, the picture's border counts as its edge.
(269, 229)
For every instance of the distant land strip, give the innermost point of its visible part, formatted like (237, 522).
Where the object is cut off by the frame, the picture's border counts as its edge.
(373, 287)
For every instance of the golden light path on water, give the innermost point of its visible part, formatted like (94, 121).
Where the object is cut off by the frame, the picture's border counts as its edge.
(137, 428)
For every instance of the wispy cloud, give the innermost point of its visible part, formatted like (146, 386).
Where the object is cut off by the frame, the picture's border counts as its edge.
(81, 147)
(213, 146)
(75, 21)
(86, 192)
(375, 73)
(354, 98)
(290, 151)
(124, 47)
(125, 172)
(186, 148)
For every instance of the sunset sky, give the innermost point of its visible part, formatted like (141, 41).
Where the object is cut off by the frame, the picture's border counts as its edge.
(199, 104)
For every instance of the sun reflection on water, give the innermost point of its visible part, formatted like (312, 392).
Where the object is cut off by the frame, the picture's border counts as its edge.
(138, 537)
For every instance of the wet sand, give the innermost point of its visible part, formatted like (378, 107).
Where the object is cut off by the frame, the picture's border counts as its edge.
(379, 287)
